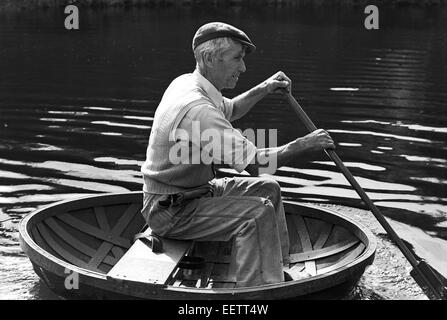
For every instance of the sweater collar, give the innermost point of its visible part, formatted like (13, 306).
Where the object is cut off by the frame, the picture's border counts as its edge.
(214, 94)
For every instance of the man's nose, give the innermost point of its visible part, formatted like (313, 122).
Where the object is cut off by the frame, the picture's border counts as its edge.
(242, 67)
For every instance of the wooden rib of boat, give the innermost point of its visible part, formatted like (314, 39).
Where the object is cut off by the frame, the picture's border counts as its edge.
(91, 238)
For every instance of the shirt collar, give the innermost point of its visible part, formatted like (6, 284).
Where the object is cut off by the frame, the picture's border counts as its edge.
(214, 94)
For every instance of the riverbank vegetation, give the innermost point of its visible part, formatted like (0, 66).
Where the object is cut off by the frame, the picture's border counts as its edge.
(32, 4)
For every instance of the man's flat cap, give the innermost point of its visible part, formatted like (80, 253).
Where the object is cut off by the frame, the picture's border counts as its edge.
(215, 30)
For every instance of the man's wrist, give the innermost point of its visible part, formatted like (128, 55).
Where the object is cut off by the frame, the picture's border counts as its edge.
(298, 145)
(263, 88)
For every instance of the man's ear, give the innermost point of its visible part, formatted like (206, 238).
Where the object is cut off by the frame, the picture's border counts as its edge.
(208, 59)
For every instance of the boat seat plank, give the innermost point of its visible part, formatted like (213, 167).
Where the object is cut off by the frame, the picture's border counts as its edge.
(140, 264)
(300, 225)
(348, 258)
(93, 231)
(324, 252)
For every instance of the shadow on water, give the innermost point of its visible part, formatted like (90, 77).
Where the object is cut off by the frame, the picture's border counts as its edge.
(76, 108)
(40, 291)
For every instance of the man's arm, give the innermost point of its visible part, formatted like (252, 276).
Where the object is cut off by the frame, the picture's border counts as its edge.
(245, 101)
(268, 160)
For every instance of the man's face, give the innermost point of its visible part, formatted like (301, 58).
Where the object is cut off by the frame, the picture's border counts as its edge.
(228, 67)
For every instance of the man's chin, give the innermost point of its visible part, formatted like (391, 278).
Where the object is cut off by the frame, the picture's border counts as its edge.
(232, 84)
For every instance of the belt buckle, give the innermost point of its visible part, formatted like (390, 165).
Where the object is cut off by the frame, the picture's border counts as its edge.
(176, 198)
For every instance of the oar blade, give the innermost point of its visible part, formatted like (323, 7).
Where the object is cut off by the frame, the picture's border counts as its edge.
(438, 283)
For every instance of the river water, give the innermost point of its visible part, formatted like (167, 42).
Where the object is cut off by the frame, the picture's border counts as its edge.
(76, 109)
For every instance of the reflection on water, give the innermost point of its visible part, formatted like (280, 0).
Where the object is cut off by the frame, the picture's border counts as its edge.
(76, 109)
(378, 134)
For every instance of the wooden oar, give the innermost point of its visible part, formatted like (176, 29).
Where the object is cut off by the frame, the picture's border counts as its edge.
(425, 275)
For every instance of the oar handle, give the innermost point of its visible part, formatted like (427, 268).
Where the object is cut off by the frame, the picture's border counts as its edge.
(333, 155)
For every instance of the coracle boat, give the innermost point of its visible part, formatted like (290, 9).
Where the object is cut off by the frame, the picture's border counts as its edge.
(87, 244)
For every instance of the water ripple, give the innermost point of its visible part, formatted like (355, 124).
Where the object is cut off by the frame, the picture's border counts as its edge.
(379, 134)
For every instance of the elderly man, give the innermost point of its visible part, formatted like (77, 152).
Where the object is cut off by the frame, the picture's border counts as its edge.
(182, 197)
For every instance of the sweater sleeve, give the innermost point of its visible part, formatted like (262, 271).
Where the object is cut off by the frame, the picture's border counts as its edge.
(227, 108)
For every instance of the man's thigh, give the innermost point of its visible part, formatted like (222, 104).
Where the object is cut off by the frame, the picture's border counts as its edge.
(219, 218)
(247, 186)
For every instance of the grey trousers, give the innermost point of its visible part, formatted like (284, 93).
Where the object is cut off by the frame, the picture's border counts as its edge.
(247, 210)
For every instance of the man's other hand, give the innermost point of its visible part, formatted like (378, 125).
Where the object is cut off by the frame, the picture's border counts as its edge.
(279, 82)
(318, 140)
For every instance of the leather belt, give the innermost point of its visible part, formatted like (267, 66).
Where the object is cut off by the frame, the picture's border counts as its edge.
(180, 197)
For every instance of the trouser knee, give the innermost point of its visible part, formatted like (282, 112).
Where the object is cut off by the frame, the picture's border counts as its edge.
(273, 189)
(263, 218)
(266, 211)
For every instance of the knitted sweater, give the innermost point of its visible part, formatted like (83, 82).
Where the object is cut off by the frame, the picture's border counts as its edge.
(161, 174)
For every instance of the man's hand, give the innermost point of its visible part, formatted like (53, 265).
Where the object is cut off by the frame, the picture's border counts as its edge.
(317, 140)
(279, 82)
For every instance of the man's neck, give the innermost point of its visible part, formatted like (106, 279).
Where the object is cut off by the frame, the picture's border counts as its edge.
(208, 76)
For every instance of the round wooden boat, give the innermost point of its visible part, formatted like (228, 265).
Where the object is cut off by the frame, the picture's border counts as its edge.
(84, 248)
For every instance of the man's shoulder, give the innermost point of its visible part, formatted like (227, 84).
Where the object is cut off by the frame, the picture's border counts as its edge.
(182, 86)
(186, 79)
(205, 113)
